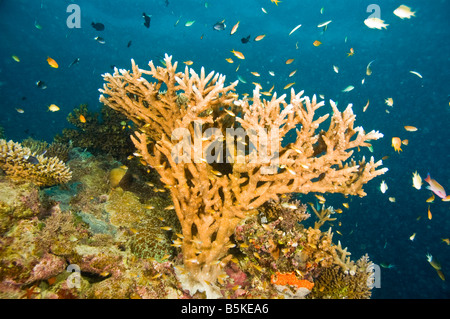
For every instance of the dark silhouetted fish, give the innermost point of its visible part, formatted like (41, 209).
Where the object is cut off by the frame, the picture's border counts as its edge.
(98, 26)
(100, 40)
(245, 40)
(31, 159)
(129, 44)
(41, 85)
(219, 26)
(74, 62)
(146, 20)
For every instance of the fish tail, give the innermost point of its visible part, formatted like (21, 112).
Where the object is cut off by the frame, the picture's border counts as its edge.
(428, 179)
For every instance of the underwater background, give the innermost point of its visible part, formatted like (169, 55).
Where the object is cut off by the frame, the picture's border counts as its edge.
(35, 30)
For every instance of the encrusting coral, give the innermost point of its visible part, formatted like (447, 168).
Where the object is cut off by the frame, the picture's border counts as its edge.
(181, 135)
(20, 164)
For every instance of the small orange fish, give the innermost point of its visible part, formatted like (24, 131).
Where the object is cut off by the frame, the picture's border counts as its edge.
(52, 63)
(446, 240)
(317, 43)
(396, 144)
(235, 27)
(429, 213)
(289, 61)
(366, 106)
(82, 118)
(410, 128)
(229, 60)
(292, 73)
(405, 142)
(351, 52)
(431, 199)
(345, 205)
(238, 54)
(260, 37)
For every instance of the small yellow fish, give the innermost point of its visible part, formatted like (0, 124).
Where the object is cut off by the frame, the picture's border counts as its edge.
(317, 43)
(20, 110)
(411, 238)
(16, 58)
(271, 73)
(188, 62)
(292, 73)
(368, 69)
(169, 207)
(396, 144)
(238, 54)
(392, 199)
(288, 86)
(336, 69)
(431, 199)
(82, 118)
(352, 52)
(375, 23)
(429, 213)
(446, 240)
(52, 63)
(255, 73)
(389, 101)
(189, 23)
(404, 12)
(320, 198)
(53, 108)
(346, 205)
(417, 180)
(167, 228)
(229, 60)
(234, 29)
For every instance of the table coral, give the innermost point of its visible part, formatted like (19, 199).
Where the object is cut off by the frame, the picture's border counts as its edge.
(42, 170)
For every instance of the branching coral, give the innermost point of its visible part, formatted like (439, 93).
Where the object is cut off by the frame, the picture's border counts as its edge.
(214, 186)
(20, 164)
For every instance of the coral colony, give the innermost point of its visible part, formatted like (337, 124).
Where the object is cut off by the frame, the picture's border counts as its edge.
(204, 207)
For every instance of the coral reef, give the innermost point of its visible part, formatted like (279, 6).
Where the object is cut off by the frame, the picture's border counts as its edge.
(21, 164)
(215, 186)
(105, 133)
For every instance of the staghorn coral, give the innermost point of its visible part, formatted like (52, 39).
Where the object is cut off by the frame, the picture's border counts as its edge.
(214, 185)
(42, 171)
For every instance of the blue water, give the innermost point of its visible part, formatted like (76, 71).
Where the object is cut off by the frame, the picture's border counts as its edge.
(373, 224)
